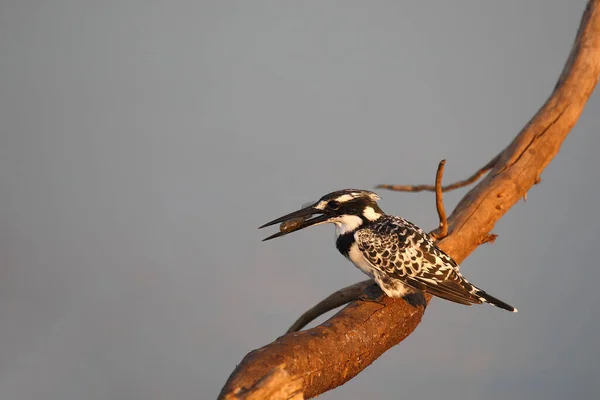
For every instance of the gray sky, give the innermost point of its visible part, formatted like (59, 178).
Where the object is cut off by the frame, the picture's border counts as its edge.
(142, 143)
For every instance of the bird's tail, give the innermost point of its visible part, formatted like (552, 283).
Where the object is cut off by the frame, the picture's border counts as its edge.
(487, 298)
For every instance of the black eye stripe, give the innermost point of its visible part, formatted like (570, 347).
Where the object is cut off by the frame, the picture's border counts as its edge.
(333, 205)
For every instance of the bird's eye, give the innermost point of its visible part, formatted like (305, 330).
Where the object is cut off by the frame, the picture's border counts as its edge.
(333, 205)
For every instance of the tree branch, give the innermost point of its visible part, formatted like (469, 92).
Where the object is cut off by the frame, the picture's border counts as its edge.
(421, 188)
(330, 354)
(442, 230)
(277, 384)
(333, 301)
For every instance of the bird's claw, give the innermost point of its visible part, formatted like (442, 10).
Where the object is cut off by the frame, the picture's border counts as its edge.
(416, 299)
(374, 294)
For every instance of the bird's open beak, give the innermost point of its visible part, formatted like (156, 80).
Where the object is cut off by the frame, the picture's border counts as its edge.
(297, 220)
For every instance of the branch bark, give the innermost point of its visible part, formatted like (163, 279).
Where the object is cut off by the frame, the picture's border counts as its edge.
(330, 354)
(333, 301)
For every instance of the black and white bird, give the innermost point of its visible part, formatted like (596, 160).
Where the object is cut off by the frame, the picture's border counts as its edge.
(398, 255)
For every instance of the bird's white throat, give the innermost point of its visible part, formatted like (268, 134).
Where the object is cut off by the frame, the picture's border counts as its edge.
(347, 223)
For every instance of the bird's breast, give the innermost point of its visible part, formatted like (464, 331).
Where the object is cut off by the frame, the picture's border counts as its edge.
(357, 258)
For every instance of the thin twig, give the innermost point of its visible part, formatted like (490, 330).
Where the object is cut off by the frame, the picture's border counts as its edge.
(442, 230)
(335, 300)
(420, 188)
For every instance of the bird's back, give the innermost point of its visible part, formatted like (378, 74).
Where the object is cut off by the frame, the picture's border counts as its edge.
(400, 251)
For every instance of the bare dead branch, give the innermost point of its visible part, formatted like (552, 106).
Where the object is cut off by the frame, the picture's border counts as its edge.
(442, 230)
(431, 188)
(275, 385)
(330, 354)
(335, 300)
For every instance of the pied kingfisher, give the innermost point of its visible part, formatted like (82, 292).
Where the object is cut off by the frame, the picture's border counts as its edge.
(398, 255)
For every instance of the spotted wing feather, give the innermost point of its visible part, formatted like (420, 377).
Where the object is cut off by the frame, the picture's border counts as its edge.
(401, 250)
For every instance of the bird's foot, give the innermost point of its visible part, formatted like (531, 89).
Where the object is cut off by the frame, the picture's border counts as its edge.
(415, 299)
(374, 294)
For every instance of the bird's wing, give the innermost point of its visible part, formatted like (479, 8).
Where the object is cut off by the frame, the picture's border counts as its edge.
(403, 251)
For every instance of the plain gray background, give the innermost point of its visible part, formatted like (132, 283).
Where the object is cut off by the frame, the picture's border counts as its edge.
(143, 142)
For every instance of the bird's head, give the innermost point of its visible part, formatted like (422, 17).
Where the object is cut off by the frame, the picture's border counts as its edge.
(348, 209)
